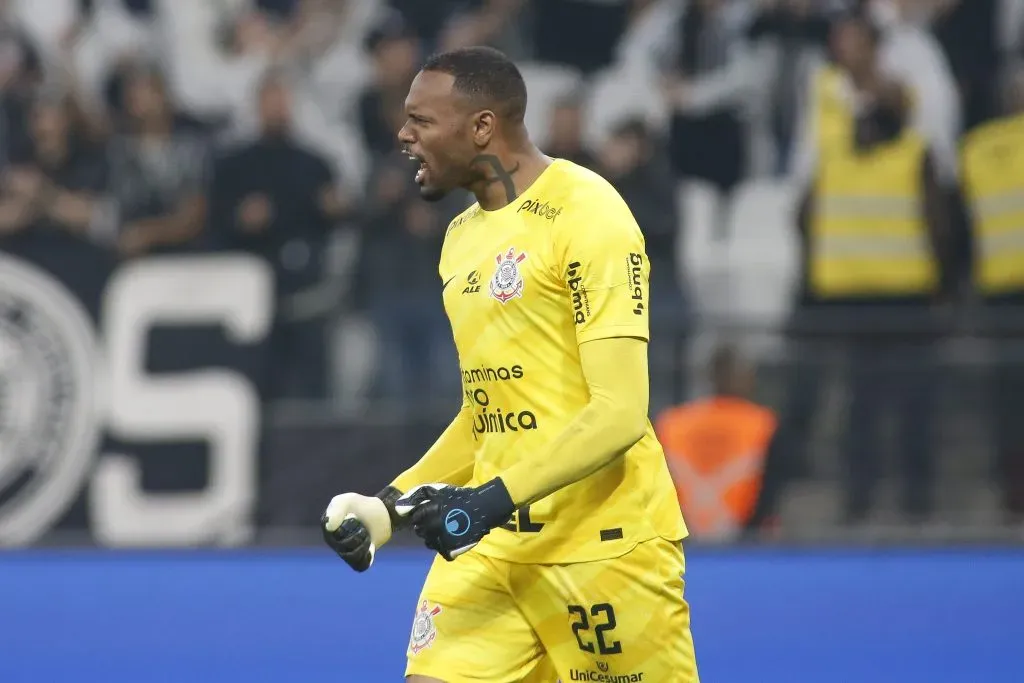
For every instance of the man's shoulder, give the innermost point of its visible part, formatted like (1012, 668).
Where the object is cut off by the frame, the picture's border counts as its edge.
(588, 206)
(582, 184)
(574, 194)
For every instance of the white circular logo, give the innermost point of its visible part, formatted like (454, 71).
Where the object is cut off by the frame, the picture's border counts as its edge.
(49, 412)
(507, 275)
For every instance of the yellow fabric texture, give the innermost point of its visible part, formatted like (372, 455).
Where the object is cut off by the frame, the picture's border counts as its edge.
(993, 165)
(613, 420)
(450, 460)
(532, 290)
(638, 620)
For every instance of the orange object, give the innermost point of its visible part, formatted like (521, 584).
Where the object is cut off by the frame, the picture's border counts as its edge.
(716, 450)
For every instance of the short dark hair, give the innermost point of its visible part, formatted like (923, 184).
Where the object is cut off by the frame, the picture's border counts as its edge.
(486, 75)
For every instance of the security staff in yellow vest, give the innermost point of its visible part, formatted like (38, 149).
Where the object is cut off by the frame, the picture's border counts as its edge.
(993, 186)
(874, 240)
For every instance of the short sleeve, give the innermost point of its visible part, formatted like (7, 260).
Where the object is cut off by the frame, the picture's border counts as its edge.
(605, 271)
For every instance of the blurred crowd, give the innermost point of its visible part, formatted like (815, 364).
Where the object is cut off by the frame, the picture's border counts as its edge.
(148, 127)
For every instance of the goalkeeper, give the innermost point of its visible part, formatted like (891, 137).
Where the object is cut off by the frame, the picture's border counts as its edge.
(548, 499)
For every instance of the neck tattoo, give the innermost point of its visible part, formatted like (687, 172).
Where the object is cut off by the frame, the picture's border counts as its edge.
(501, 174)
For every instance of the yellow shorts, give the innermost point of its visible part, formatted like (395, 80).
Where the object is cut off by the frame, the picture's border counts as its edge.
(612, 621)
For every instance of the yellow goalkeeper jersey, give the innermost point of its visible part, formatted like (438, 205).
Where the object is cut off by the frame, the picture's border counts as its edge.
(524, 286)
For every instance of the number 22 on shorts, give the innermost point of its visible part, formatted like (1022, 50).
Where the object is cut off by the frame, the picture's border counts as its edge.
(581, 625)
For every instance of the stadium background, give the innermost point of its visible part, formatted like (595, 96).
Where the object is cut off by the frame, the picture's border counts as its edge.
(206, 331)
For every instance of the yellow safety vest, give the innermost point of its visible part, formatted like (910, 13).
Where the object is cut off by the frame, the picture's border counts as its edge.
(868, 236)
(993, 167)
(833, 111)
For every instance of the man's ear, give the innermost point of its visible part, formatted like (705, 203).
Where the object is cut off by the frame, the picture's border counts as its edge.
(484, 125)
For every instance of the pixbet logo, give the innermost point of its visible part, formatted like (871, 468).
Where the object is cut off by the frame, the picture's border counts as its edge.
(544, 210)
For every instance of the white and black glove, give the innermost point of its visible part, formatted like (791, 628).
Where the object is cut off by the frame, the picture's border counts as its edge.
(355, 526)
(453, 519)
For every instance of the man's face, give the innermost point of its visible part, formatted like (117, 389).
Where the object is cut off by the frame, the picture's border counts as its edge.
(397, 59)
(566, 126)
(275, 107)
(49, 122)
(853, 45)
(440, 132)
(144, 97)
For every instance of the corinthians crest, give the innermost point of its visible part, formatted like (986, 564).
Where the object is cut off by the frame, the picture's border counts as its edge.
(507, 282)
(423, 629)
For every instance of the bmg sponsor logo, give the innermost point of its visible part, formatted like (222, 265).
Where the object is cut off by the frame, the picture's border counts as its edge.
(543, 210)
(634, 270)
(578, 293)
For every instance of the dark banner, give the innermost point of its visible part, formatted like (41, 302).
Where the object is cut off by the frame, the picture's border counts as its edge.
(130, 395)
(131, 407)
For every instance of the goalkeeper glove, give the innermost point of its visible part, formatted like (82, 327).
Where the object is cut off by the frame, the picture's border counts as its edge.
(453, 519)
(354, 526)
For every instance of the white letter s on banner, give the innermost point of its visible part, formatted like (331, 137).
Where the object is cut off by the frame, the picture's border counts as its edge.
(217, 405)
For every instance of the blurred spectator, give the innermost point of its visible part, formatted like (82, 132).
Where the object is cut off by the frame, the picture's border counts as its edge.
(450, 24)
(159, 169)
(711, 78)
(908, 54)
(279, 10)
(429, 20)
(994, 183)
(276, 199)
(215, 53)
(722, 453)
(395, 51)
(53, 210)
(107, 34)
(635, 162)
(398, 285)
(45, 23)
(795, 33)
(1009, 24)
(565, 135)
(579, 33)
(55, 183)
(968, 33)
(325, 47)
(21, 72)
(876, 241)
